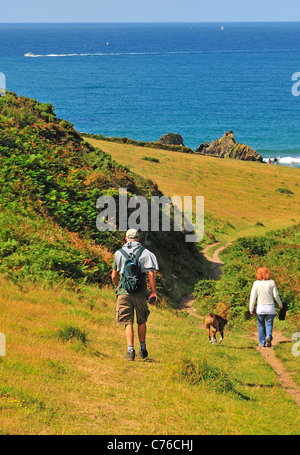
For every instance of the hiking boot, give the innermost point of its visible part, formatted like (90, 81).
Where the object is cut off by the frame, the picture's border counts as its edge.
(269, 343)
(143, 353)
(130, 355)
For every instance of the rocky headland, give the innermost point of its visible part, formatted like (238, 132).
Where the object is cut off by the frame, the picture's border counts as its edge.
(227, 147)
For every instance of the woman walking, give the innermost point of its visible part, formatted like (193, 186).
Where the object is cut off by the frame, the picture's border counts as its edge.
(265, 291)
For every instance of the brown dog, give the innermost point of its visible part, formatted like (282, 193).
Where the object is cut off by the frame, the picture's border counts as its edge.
(216, 324)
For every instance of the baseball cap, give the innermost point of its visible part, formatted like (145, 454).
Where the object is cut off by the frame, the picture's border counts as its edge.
(132, 234)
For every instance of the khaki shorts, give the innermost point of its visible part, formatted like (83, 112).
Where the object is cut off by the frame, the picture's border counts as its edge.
(126, 305)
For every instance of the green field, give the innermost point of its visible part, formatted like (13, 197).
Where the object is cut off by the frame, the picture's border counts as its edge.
(57, 381)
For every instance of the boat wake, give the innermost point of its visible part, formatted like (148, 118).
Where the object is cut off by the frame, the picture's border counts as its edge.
(30, 54)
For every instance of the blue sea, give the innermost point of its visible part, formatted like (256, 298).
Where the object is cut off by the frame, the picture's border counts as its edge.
(145, 80)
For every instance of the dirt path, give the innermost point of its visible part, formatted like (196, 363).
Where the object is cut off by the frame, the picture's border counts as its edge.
(268, 354)
(216, 271)
(284, 376)
(215, 262)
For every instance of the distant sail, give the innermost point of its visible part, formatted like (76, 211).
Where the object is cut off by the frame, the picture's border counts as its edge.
(222, 28)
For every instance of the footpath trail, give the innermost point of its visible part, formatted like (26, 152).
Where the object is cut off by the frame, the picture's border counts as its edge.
(284, 376)
(216, 263)
(268, 354)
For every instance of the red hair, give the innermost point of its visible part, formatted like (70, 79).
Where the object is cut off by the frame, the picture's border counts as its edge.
(262, 273)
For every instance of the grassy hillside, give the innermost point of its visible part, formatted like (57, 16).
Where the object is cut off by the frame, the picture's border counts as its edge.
(241, 198)
(48, 174)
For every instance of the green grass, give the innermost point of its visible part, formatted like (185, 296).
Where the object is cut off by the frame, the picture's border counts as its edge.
(288, 352)
(52, 386)
(69, 332)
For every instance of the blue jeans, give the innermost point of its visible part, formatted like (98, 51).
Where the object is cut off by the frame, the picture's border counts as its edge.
(265, 327)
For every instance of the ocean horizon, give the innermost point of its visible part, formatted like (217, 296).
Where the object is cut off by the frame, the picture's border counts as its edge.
(144, 80)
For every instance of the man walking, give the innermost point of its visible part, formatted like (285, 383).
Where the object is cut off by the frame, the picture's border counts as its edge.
(130, 302)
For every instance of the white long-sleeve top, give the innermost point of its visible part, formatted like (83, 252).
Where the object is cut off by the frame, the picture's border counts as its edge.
(265, 291)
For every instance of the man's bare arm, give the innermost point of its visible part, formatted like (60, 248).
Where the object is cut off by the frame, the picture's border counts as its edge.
(115, 278)
(152, 286)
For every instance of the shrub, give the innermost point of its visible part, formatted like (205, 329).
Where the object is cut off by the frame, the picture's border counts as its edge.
(284, 191)
(255, 245)
(196, 373)
(70, 332)
(151, 159)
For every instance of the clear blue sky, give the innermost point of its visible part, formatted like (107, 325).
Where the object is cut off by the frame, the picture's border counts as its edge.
(149, 10)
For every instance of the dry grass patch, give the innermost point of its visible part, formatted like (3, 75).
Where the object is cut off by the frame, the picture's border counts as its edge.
(243, 193)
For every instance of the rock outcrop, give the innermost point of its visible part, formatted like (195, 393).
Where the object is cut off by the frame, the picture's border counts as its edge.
(171, 139)
(226, 147)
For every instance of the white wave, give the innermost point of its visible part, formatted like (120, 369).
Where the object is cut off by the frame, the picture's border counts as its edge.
(285, 160)
(289, 160)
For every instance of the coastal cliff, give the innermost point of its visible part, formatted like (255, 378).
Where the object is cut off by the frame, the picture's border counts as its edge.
(227, 147)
